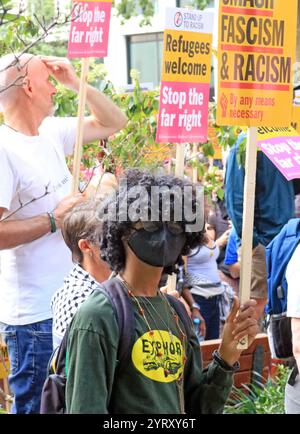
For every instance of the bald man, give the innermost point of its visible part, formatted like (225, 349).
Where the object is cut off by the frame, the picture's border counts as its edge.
(34, 197)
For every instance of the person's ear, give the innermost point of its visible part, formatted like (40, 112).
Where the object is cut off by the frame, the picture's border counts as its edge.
(84, 246)
(27, 87)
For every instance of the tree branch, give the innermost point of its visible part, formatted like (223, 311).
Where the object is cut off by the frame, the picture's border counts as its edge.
(45, 29)
(26, 203)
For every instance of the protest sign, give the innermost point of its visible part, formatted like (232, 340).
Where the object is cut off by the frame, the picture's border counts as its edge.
(186, 73)
(88, 38)
(257, 40)
(282, 147)
(257, 43)
(89, 28)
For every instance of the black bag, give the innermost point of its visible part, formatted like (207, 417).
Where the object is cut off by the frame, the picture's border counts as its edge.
(281, 333)
(53, 393)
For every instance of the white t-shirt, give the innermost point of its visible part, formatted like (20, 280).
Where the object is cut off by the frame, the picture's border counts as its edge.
(293, 281)
(30, 167)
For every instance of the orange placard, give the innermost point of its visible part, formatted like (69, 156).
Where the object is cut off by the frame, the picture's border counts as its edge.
(296, 118)
(257, 43)
(186, 72)
(190, 60)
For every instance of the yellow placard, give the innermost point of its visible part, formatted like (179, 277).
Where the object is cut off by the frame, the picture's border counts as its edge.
(266, 133)
(296, 118)
(257, 43)
(187, 57)
(217, 152)
(4, 362)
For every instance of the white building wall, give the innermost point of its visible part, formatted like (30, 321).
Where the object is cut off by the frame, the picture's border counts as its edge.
(116, 62)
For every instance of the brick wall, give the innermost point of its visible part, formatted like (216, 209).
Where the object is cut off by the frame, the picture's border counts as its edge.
(256, 358)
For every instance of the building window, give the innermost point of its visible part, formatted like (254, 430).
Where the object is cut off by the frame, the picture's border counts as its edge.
(145, 55)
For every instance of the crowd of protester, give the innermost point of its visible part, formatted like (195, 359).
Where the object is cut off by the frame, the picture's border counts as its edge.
(58, 250)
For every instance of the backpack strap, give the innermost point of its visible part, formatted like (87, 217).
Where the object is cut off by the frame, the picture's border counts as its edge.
(124, 312)
(120, 301)
(293, 375)
(58, 363)
(182, 313)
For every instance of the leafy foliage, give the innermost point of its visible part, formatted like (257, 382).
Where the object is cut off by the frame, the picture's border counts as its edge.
(43, 8)
(9, 21)
(260, 398)
(22, 28)
(127, 9)
(135, 145)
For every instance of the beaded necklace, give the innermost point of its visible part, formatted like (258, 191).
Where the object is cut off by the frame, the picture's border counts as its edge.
(182, 336)
(141, 310)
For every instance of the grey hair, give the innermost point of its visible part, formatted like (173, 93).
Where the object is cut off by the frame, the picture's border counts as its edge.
(13, 70)
(82, 222)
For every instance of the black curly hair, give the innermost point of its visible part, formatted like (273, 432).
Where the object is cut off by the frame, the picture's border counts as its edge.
(115, 229)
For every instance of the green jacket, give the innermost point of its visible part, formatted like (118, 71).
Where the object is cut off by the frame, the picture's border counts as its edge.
(151, 382)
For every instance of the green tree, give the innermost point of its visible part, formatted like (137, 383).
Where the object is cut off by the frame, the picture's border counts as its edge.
(22, 28)
(135, 145)
(45, 9)
(127, 9)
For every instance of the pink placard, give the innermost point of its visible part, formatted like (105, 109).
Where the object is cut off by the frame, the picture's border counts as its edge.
(183, 112)
(284, 152)
(89, 29)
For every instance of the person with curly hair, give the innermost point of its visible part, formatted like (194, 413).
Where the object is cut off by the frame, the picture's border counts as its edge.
(144, 234)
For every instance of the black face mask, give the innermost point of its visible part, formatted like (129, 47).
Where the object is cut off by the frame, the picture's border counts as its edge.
(160, 248)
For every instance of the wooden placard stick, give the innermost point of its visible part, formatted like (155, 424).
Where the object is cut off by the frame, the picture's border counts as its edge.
(195, 169)
(248, 220)
(179, 166)
(179, 172)
(8, 397)
(80, 115)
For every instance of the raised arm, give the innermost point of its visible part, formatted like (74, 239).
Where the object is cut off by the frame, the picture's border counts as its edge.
(106, 118)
